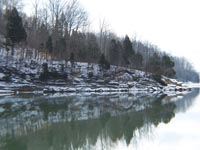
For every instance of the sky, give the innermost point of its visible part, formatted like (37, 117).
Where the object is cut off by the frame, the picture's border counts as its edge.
(172, 25)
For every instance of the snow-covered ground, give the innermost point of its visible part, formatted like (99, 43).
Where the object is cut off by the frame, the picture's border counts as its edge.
(21, 73)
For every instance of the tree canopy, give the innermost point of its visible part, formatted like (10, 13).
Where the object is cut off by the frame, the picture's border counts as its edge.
(15, 31)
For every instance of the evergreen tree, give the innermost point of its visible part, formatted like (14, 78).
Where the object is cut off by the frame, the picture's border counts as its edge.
(15, 31)
(72, 59)
(128, 48)
(41, 36)
(154, 64)
(92, 50)
(167, 66)
(44, 75)
(128, 52)
(103, 62)
(114, 52)
(161, 65)
(167, 62)
(137, 60)
(49, 44)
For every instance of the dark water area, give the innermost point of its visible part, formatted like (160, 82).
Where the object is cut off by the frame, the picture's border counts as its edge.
(108, 121)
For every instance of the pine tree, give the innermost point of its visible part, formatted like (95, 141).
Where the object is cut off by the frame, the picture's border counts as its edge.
(103, 63)
(128, 53)
(137, 61)
(128, 46)
(15, 31)
(114, 52)
(168, 66)
(72, 59)
(49, 44)
(154, 64)
(161, 65)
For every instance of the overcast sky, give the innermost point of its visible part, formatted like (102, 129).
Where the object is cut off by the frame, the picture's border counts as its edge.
(172, 25)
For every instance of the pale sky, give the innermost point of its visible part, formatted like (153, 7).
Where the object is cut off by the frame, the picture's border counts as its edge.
(172, 25)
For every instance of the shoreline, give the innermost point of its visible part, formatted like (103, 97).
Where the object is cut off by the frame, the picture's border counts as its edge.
(31, 88)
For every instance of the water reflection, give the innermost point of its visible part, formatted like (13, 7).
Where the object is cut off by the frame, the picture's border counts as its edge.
(30, 122)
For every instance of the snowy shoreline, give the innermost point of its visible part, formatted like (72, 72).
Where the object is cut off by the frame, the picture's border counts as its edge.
(31, 88)
(27, 75)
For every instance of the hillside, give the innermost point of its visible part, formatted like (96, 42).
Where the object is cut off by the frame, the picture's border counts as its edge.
(44, 37)
(36, 74)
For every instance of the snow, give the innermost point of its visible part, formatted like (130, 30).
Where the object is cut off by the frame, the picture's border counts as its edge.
(6, 92)
(120, 91)
(2, 109)
(83, 77)
(2, 75)
(127, 77)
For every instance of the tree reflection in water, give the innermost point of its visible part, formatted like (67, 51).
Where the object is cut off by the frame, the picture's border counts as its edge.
(72, 122)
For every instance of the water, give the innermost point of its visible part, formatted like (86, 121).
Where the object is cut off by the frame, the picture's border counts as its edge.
(136, 121)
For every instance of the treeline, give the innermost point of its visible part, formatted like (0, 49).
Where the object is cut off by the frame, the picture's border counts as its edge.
(185, 71)
(60, 29)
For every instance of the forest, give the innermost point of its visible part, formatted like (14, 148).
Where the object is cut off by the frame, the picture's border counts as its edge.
(60, 30)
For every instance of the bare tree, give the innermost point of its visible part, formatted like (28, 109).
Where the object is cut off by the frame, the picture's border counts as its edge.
(104, 33)
(1, 19)
(36, 11)
(9, 4)
(56, 7)
(76, 16)
(1, 7)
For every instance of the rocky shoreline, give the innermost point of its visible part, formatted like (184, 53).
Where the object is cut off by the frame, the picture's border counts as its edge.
(28, 75)
(120, 80)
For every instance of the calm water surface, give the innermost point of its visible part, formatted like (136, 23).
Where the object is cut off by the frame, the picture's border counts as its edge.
(137, 121)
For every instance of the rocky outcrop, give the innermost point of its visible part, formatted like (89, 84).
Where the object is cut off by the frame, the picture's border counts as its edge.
(29, 75)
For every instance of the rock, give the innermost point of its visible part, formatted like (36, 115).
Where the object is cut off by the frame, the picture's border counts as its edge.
(2, 109)
(127, 77)
(2, 76)
(113, 83)
(61, 77)
(100, 81)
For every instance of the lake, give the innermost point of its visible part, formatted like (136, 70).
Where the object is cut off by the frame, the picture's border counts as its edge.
(89, 121)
